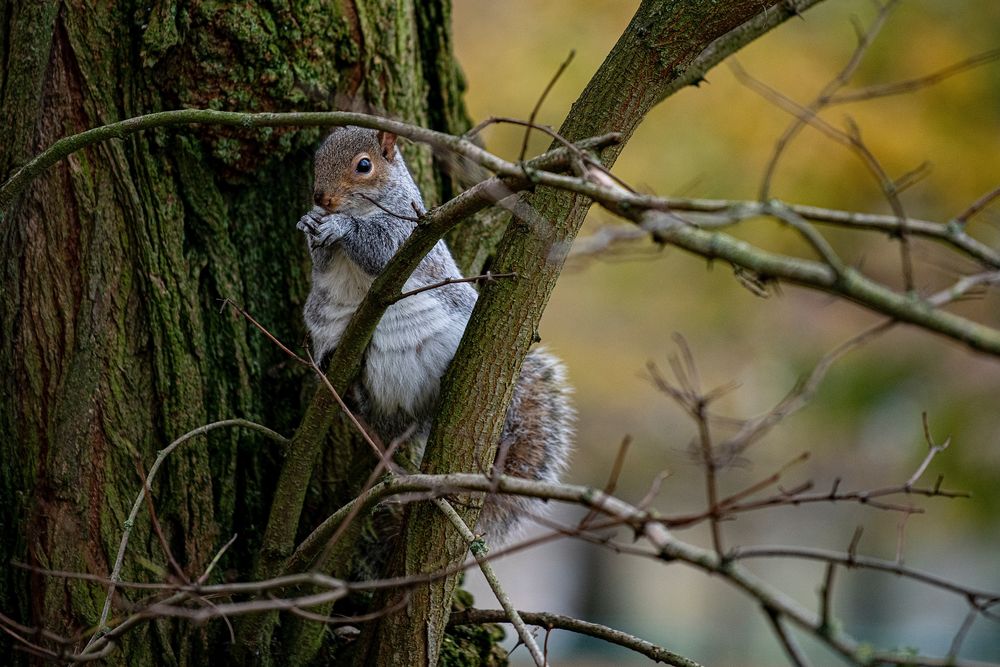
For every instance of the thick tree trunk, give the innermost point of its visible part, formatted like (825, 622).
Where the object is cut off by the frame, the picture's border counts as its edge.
(117, 261)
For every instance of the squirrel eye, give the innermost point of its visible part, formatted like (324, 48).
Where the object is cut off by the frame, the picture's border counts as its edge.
(364, 166)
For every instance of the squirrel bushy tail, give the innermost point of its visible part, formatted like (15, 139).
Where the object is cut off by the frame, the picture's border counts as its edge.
(535, 443)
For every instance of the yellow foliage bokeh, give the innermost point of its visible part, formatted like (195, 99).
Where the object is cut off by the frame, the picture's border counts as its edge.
(612, 315)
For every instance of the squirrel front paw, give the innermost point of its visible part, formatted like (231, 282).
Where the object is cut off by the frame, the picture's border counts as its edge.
(321, 228)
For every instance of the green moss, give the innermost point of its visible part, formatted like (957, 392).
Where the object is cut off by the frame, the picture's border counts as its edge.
(227, 150)
(239, 56)
(468, 645)
(160, 32)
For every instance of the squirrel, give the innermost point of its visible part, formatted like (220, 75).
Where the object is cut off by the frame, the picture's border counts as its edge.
(364, 200)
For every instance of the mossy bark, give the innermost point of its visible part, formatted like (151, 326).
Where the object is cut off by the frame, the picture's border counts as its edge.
(117, 261)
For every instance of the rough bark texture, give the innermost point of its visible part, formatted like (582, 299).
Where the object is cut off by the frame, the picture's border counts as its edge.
(667, 45)
(117, 260)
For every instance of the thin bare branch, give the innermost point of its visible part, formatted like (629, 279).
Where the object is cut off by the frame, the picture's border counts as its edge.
(667, 547)
(865, 39)
(718, 213)
(155, 521)
(977, 206)
(932, 451)
(962, 633)
(541, 101)
(130, 521)
(849, 559)
(612, 483)
(826, 598)
(484, 278)
(557, 621)
(795, 655)
(916, 83)
(479, 550)
(851, 138)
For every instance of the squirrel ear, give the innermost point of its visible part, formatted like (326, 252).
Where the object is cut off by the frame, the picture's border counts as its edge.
(387, 140)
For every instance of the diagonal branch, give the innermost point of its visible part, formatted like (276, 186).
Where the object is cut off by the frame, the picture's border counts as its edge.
(478, 549)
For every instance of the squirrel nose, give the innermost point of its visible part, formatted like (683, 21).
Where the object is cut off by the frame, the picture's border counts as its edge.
(327, 200)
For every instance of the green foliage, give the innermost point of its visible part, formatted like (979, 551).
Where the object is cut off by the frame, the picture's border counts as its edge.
(246, 57)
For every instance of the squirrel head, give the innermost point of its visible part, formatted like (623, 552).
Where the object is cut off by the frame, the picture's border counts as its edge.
(354, 167)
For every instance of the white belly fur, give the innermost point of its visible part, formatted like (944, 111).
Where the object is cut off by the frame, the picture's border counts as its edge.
(344, 286)
(412, 345)
(410, 351)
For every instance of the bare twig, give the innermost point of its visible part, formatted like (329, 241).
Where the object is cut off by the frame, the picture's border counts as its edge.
(479, 550)
(916, 83)
(612, 483)
(813, 237)
(130, 521)
(541, 100)
(688, 394)
(865, 39)
(484, 278)
(718, 213)
(800, 395)
(395, 214)
(826, 598)
(977, 206)
(399, 605)
(260, 327)
(850, 559)
(851, 138)
(792, 650)
(558, 621)
(933, 450)
(962, 633)
(155, 521)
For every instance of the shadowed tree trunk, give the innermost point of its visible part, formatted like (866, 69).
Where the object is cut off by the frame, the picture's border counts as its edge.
(116, 263)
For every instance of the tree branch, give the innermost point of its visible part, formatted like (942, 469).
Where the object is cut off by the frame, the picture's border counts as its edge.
(69, 145)
(723, 212)
(478, 549)
(558, 621)
(669, 548)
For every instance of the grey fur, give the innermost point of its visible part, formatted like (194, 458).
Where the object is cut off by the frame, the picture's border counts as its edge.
(351, 243)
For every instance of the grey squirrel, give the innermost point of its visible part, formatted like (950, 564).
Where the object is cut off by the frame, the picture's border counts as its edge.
(365, 200)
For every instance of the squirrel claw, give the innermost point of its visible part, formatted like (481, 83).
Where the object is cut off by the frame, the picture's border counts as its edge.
(307, 224)
(320, 228)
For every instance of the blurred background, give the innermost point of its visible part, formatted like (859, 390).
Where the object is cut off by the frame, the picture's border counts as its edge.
(613, 314)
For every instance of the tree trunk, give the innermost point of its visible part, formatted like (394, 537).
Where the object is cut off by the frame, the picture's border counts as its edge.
(116, 264)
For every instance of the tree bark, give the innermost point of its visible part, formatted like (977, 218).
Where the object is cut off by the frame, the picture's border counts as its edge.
(118, 259)
(666, 46)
